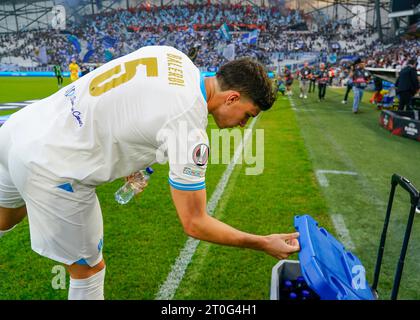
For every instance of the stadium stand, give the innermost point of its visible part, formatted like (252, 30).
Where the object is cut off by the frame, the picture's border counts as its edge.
(274, 36)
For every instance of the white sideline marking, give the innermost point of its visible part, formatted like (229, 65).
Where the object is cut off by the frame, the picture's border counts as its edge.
(15, 105)
(305, 110)
(168, 289)
(322, 178)
(19, 104)
(337, 219)
(343, 232)
(292, 103)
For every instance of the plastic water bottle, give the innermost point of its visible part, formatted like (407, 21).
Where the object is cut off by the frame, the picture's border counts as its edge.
(134, 185)
(293, 296)
(286, 289)
(287, 286)
(301, 283)
(306, 295)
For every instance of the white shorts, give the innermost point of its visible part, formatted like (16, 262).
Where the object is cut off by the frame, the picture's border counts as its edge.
(65, 218)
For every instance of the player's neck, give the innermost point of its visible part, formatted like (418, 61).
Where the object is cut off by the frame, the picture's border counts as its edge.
(212, 88)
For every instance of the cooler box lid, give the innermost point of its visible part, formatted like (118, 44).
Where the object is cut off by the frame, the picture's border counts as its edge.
(328, 268)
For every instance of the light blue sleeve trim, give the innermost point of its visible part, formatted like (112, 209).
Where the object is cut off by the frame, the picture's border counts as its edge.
(187, 187)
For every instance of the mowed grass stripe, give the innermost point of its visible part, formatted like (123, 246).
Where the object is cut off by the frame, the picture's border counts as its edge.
(260, 204)
(14, 89)
(339, 140)
(7, 112)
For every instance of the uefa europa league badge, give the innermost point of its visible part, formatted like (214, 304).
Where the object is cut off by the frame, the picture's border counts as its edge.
(58, 20)
(201, 154)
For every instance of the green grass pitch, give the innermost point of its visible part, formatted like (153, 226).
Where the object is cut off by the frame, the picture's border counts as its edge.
(144, 237)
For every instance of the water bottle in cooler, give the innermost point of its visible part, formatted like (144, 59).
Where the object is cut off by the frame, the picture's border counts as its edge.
(134, 185)
(293, 296)
(306, 295)
(300, 283)
(286, 289)
(288, 285)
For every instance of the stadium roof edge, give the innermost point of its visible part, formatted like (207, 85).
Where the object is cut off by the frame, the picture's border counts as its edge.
(20, 1)
(23, 2)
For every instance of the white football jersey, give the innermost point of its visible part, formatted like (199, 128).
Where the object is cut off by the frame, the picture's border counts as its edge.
(122, 117)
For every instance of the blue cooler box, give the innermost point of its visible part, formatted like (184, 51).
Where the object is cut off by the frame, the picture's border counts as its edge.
(329, 270)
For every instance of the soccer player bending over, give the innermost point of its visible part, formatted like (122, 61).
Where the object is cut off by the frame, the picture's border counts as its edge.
(109, 124)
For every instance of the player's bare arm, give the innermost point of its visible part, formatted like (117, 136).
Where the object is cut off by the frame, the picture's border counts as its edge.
(191, 209)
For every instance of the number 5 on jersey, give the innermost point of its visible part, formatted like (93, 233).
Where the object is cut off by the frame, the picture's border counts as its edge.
(98, 87)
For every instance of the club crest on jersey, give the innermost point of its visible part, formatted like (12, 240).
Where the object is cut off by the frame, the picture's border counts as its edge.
(201, 154)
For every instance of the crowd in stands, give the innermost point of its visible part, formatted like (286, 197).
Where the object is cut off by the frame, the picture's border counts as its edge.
(26, 46)
(128, 30)
(101, 37)
(396, 56)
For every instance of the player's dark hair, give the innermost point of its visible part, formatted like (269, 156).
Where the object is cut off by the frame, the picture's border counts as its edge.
(250, 79)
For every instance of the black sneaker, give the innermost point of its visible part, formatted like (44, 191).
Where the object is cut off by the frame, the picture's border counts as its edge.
(418, 209)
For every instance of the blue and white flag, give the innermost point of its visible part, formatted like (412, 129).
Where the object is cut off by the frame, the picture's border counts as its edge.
(224, 32)
(88, 55)
(75, 42)
(332, 58)
(41, 55)
(335, 45)
(251, 37)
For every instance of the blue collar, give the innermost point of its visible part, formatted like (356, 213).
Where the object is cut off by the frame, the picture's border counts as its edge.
(203, 88)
